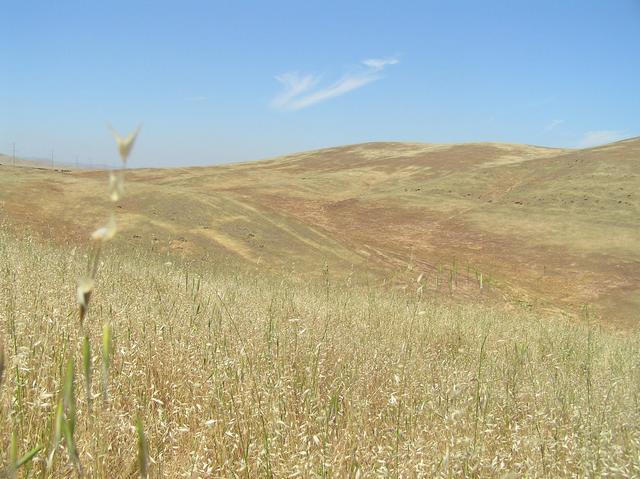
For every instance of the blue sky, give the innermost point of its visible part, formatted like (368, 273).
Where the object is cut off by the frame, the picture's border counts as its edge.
(221, 81)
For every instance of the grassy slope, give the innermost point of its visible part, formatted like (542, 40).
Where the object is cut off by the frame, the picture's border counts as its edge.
(237, 372)
(238, 369)
(553, 228)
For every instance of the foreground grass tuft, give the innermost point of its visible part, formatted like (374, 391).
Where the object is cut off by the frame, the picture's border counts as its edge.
(235, 373)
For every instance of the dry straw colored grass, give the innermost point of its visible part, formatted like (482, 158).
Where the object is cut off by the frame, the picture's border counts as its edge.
(237, 373)
(222, 371)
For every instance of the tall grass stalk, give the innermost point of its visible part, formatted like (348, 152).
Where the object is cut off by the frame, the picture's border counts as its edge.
(2, 361)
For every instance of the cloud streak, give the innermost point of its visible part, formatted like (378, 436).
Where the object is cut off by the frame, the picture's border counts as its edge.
(553, 124)
(299, 91)
(380, 63)
(294, 85)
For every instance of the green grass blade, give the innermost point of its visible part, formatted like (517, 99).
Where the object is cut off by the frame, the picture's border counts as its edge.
(86, 369)
(69, 397)
(57, 432)
(107, 333)
(13, 448)
(143, 451)
(28, 456)
(67, 429)
(1, 362)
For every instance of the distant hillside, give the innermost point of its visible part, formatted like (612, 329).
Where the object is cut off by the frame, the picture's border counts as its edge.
(46, 163)
(546, 228)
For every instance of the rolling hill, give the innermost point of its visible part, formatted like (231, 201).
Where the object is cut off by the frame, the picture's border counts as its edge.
(551, 229)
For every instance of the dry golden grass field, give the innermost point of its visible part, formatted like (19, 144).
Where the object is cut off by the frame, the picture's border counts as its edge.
(375, 310)
(551, 229)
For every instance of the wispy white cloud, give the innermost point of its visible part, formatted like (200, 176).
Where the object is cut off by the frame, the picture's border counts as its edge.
(601, 137)
(380, 63)
(553, 124)
(299, 90)
(294, 85)
(342, 86)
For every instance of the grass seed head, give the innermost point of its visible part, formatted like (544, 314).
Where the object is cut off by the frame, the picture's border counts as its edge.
(116, 186)
(106, 232)
(125, 144)
(85, 288)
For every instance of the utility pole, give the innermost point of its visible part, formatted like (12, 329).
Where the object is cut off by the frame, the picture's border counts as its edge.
(52, 164)
(14, 153)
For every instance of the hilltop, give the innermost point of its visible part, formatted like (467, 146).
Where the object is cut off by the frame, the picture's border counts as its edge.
(552, 229)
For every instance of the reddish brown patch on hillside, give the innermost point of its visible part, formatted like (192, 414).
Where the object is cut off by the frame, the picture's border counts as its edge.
(452, 212)
(552, 278)
(391, 157)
